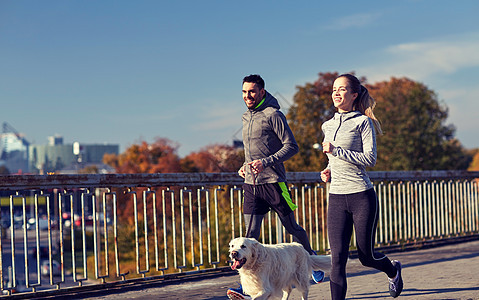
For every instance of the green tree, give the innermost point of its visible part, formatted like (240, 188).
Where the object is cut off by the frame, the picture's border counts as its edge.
(415, 134)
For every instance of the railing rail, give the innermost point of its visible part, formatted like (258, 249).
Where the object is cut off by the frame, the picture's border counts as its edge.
(60, 231)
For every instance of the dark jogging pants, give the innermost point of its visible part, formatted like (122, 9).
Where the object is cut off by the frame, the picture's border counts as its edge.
(360, 209)
(259, 199)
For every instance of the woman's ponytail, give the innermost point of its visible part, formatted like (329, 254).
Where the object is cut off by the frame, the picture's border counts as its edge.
(363, 102)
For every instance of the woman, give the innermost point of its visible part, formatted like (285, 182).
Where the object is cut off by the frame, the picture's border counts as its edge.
(350, 144)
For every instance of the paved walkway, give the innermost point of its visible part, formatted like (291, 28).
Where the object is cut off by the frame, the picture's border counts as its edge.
(446, 272)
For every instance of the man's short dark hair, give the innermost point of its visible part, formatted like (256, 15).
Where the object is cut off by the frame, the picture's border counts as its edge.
(254, 78)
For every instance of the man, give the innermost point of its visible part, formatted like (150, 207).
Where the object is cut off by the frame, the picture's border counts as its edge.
(268, 142)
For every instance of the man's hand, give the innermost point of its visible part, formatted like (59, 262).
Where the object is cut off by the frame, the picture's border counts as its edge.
(241, 171)
(256, 166)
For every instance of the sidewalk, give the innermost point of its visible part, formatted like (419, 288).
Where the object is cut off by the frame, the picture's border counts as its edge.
(447, 272)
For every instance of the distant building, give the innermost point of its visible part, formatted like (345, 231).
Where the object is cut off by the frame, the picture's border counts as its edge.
(55, 140)
(238, 144)
(14, 152)
(57, 156)
(18, 156)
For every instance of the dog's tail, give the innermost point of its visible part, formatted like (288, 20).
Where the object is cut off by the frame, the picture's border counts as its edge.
(321, 262)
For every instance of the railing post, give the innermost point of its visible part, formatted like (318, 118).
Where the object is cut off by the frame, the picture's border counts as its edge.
(97, 241)
(72, 227)
(12, 243)
(137, 238)
(1, 253)
(200, 225)
(217, 232)
(165, 228)
(182, 226)
(115, 234)
(239, 191)
(294, 196)
(382, 237)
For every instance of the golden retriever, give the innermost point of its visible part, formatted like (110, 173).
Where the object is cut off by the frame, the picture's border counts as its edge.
(271, 271)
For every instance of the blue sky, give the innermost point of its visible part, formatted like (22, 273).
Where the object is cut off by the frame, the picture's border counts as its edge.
(125, 71)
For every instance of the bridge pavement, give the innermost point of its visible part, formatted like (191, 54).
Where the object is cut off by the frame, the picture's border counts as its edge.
(446, 272)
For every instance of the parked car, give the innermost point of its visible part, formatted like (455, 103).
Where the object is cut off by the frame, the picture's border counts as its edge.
(6, 223)
(43, 252)
(43, 224)
(45, 268)
(88, 221)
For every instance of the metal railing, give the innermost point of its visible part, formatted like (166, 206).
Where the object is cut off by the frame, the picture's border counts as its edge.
(60, 231)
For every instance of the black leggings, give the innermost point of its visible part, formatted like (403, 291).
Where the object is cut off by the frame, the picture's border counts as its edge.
(360, 209)
(253, 227)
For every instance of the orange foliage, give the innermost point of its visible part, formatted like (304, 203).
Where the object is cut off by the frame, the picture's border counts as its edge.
(474, 166)
(161, 157)
(214, 158)
(158, 157)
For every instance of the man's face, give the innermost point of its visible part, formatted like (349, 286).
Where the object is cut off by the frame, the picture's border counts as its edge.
(252, 95)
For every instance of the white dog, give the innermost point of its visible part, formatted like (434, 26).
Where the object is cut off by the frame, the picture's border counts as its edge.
(267, 271)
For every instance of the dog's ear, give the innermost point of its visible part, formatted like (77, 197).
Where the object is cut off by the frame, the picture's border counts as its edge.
(256, 249)
(257, 254)
(253, 248)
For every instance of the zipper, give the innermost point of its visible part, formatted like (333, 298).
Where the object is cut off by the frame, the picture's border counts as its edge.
(250, 128)
(337, 129)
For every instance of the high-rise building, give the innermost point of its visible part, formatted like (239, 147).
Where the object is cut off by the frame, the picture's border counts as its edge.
(57, 156)
(17, 155)
(14, 152)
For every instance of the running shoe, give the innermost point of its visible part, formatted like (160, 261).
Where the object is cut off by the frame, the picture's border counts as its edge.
(237, 294)
(396, 283)
(318, 276)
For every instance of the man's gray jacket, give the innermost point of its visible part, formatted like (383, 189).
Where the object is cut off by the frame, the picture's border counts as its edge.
(267, 137)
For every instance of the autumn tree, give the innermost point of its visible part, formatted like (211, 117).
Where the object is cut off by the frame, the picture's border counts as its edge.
(311, 108)
(214, 158)
(416, 136)
(474, 166)
(89, 170)
(4, 170)
(159, 157)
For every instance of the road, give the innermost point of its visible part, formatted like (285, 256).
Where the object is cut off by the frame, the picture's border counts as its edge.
(32, 259)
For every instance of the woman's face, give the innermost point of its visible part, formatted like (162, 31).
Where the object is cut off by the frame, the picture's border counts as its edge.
(342, 95)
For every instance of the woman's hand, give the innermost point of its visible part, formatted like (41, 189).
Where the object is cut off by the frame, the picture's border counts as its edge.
(326, 175)
(328, 147)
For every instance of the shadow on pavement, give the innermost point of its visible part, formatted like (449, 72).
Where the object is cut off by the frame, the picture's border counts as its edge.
(411, 292)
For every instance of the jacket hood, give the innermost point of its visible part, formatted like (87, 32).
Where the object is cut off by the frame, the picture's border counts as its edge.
(269, 101)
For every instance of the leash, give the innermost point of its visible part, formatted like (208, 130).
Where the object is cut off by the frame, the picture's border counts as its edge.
(254, 195)
(254, 179)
